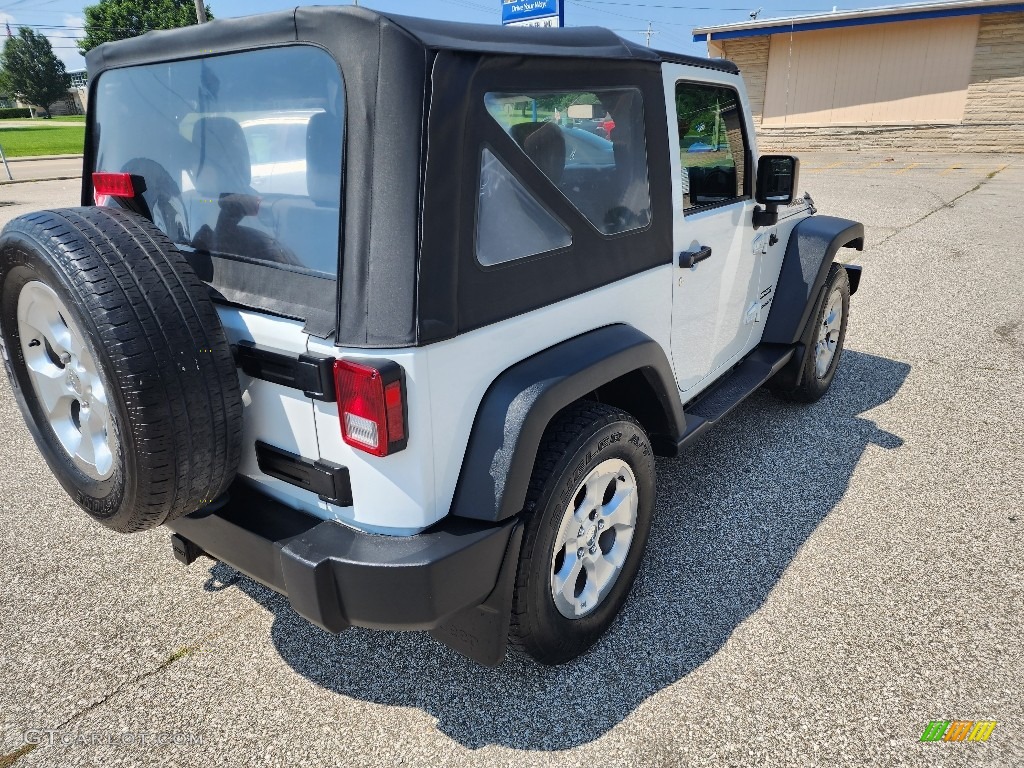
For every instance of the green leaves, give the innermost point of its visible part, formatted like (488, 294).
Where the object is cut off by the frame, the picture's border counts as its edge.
(30, 71)
(111, 20)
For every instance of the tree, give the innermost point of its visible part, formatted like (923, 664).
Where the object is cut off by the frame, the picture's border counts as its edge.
(111, 20)
(31, 71)
(695, 106)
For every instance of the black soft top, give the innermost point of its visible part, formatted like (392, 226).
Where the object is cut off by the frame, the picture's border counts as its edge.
(411, 154)
(287, 26)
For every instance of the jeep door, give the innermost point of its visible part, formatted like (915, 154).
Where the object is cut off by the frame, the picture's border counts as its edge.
(716, 273)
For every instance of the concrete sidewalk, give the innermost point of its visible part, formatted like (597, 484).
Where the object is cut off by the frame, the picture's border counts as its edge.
(42, 168)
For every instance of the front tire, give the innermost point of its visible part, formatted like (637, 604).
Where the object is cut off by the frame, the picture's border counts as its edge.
(589, 515)
(823, 340)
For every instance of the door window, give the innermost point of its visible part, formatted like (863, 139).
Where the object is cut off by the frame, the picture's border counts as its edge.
(712, 145)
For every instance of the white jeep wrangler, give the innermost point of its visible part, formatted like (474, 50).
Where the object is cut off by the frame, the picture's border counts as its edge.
(393, 315)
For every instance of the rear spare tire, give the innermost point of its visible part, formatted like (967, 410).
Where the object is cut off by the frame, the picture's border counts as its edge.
(119, 363)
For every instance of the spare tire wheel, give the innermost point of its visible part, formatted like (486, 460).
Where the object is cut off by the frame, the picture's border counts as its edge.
(119, 364)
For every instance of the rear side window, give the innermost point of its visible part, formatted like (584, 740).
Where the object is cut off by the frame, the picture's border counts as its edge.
(240, 154)
(510, 222)
(712, 145)
(589, 144)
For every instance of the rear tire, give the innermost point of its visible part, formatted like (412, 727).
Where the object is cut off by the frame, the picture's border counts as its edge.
(120, 365)
(589, 509)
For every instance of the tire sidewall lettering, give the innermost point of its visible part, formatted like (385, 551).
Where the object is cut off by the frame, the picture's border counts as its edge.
(583, 465)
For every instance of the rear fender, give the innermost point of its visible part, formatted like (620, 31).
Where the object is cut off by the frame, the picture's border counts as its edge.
(523, 400)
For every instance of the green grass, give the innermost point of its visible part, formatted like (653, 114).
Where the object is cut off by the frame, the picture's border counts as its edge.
(181, 653)
(705, 159)
(27, 141)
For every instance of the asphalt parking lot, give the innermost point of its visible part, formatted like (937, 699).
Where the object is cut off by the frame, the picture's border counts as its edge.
(821, 581)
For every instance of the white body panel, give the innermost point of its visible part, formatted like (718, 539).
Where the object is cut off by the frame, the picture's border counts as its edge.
(701, 317)
(771, 259)
(277, 415)
(391, 494)
(711, 299)
(445, 382)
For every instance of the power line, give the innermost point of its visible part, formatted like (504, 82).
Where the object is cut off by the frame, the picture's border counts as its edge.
(46, 26)
(586, 4)
(675, 7)
(37, 10)
(475, 6)
(79, 29)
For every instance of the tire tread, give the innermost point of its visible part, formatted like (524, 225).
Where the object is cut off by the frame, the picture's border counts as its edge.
(154, 318)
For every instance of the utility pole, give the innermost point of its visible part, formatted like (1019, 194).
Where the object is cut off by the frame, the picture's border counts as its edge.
(649, 32)
(201, 12)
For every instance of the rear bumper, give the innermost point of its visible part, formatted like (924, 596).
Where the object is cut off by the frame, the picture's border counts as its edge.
(338, 577)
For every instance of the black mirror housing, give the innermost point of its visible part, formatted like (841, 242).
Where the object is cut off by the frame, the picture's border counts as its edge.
(777, 180)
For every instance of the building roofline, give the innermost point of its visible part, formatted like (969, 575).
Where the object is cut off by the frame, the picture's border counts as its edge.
(864, 16)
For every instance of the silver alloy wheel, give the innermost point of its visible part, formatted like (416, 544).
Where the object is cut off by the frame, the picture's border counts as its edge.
(828, 333)
(66, 380)
(593, 538)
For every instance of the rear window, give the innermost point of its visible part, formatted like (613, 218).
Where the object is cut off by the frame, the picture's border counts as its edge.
(240, 153)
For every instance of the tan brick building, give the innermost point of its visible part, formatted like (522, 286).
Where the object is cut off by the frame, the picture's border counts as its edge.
(935, 76)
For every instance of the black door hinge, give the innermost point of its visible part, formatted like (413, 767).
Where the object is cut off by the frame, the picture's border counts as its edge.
(329, 481)
(312, 373)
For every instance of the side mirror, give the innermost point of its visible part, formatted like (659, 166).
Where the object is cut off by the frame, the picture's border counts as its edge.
(777, 179)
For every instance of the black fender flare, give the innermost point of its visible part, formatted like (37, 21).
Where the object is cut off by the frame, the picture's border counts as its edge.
(812, 247)
(520, 403)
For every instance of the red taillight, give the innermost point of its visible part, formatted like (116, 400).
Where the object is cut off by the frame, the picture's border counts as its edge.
(371, 405)
(112, 185)
(394, 406)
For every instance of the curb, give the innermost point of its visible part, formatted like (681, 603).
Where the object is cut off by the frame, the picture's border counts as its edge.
(31, 158)
(5, 182)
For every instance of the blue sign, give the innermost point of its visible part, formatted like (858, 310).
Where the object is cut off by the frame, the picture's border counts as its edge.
(540, 13)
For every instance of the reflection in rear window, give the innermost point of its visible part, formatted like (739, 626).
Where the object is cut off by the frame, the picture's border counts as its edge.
(241, 153)
(590, 145)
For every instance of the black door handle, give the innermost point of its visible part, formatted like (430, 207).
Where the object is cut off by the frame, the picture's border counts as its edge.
(688, 258)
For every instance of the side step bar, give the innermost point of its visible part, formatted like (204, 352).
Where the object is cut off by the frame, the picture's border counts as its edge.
(732, 389)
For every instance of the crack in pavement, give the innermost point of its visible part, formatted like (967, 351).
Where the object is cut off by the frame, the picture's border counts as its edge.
(184, 651)
(950, 204)
(12, 757)
(177, 655)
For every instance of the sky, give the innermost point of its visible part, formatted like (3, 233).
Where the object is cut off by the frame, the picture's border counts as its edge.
(671, 20)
